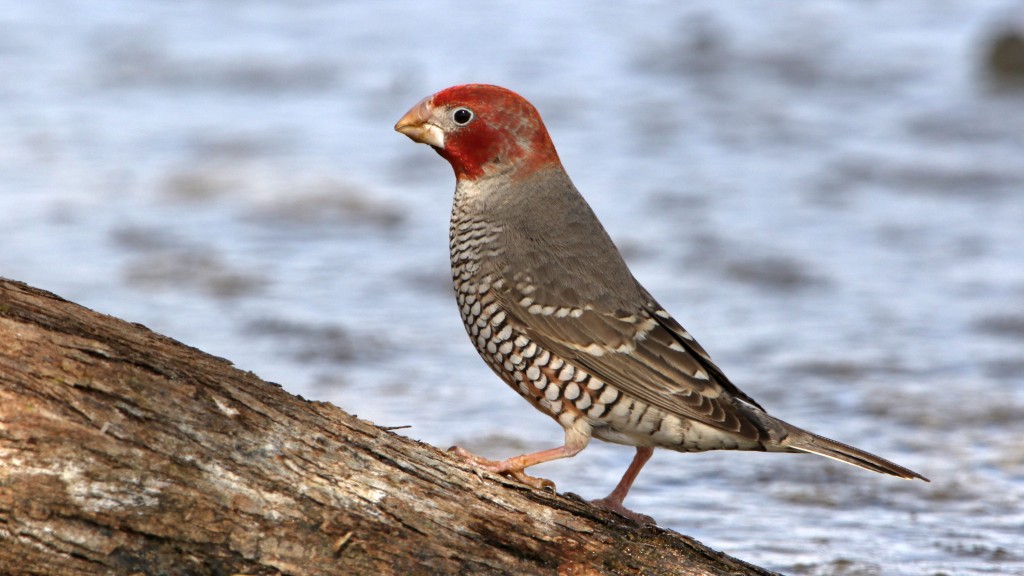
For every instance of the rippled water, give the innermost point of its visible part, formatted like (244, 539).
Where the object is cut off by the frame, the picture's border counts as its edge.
(829, 195)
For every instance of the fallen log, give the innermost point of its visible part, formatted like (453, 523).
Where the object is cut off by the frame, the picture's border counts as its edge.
(125, 452)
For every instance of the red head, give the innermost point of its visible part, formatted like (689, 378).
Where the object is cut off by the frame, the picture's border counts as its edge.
(481, 130)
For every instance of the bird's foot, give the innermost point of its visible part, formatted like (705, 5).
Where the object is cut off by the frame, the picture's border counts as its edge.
(616, 506)
(503, 467)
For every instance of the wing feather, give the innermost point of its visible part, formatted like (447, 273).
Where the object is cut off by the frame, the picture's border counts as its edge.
(642, 352)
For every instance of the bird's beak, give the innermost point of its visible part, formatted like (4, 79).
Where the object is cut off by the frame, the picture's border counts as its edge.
(416, 125)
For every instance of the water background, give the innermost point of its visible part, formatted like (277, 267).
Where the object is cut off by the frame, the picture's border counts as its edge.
(829, 195)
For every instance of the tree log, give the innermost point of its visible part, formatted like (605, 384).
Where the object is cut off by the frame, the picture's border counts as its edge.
(126, 452)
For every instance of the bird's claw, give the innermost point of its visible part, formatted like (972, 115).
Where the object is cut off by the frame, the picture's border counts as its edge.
(618, 508)
(532, 481)
(502, 467)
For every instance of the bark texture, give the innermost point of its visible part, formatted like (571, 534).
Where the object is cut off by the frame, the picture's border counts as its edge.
(126, 452)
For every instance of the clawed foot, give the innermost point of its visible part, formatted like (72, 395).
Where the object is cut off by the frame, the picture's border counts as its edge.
(514, 468)
(617, 507)
(503, 467)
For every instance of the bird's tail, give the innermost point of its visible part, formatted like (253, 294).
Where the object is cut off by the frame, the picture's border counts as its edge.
(804, 441)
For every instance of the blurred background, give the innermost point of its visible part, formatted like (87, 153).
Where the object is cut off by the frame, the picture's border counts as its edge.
(829, 195)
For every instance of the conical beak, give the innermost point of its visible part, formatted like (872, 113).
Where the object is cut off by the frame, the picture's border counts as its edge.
(416, 125)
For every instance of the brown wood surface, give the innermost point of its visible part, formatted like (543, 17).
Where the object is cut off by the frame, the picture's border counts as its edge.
(126, 452)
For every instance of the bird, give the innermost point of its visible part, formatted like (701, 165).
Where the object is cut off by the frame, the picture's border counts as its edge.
(551, 306)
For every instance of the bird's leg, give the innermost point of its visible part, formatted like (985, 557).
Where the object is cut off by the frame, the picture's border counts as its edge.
(514, 467)
(575, 440)
(614, 500)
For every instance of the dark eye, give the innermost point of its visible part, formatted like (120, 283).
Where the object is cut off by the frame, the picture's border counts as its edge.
(462, 116)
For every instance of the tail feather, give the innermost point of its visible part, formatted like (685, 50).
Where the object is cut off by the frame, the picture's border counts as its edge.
(804, 441)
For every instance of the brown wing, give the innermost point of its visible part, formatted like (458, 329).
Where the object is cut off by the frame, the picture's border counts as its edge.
(643, 352)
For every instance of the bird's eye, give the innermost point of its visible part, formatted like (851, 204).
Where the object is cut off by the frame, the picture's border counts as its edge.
(462, 116)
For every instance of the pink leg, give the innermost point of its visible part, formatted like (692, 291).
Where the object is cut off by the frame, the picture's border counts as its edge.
(614, 500)
(514, 467)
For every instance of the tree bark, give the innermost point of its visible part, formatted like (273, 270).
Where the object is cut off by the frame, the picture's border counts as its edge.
(126, 452)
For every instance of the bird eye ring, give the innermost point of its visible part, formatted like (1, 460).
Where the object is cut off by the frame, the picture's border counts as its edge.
(462, 116)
